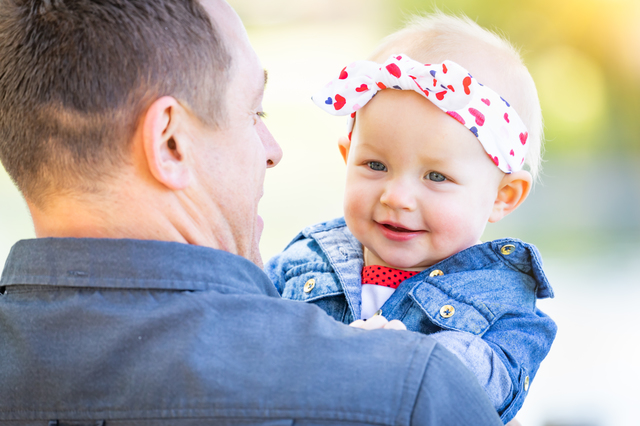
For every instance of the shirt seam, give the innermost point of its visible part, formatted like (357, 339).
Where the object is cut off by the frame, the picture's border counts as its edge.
(102, 282)
(319, 414)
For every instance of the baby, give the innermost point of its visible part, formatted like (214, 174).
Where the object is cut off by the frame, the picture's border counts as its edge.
(432, 156)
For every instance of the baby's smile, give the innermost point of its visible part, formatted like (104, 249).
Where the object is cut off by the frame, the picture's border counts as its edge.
(398, 228)
(397, 232)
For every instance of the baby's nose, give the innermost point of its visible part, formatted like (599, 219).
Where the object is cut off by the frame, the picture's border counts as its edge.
(399, 195)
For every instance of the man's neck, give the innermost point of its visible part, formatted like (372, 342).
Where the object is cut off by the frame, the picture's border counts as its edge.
(153, 216)
(70, 217)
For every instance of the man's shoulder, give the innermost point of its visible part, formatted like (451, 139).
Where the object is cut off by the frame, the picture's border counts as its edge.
(104, 349)
(178, 355)
(129, 263)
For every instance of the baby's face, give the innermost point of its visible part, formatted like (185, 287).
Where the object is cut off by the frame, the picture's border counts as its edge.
(420, 187)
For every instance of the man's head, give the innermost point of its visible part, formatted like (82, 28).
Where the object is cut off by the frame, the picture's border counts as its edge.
(228, 163)
(135, 118)
(76, 75)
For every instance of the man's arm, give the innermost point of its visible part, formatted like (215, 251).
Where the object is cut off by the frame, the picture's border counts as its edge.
(450, 395)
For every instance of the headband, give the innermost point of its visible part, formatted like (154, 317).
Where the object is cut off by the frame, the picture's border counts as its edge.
(449, 86)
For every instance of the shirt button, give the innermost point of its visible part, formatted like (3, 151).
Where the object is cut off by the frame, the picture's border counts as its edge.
(309, 285)
(447, 311)
(526, 383)
(507, 249)
(436, 273)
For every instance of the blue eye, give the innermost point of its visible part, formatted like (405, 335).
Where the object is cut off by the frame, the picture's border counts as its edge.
(436, 177)
(377, 166)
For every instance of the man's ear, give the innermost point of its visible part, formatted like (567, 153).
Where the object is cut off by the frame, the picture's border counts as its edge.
(163, 143)
(513, 190)
(344, 144)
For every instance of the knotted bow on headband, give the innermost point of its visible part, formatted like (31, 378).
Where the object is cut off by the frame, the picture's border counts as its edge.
(449, 86)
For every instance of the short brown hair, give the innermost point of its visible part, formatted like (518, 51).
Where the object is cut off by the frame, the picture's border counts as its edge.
(75, 75)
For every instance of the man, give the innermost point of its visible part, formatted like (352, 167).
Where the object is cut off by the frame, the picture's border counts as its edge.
(133, 130)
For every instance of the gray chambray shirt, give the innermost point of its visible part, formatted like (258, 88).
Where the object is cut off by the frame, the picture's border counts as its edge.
(129, 332)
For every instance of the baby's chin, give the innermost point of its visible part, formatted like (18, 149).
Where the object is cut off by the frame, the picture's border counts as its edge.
(411, 266)
(398, 262)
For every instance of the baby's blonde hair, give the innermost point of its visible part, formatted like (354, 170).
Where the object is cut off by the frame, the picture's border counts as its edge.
(489, 57)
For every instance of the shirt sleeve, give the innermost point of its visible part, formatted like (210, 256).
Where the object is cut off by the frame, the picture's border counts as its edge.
(511, 348)
(450, 395)
(480, 359)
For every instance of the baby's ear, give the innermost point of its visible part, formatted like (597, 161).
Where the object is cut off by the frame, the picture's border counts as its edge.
(344, 144)
(513, 190)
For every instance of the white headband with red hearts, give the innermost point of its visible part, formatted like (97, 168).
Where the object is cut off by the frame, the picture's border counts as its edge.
(449, 86)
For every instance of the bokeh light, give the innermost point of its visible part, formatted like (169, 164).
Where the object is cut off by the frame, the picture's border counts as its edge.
(572, 88)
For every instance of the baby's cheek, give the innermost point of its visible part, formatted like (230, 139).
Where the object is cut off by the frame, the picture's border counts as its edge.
(351, 203)
(358, 212)
(455, 228)
(355, 198)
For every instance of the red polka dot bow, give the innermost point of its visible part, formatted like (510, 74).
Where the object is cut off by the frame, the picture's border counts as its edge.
(449, 86)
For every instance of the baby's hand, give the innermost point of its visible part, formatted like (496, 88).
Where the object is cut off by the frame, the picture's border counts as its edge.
(378, 321)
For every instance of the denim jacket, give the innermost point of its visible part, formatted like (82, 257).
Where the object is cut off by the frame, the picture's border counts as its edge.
(480, 303)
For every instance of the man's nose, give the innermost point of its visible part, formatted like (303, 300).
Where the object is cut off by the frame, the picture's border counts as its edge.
(271, 147)
(399, 194)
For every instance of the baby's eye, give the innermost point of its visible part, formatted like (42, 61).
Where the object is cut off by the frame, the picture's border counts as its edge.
(436, 177)
(377, 166)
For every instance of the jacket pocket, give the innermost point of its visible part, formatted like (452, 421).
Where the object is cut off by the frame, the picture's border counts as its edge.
(316, 283)
(451, 313)
(310, 281)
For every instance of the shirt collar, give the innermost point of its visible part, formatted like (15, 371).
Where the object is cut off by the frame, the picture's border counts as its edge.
(125, 263)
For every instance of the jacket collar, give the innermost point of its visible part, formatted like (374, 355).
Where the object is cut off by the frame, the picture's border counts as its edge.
(341, 247)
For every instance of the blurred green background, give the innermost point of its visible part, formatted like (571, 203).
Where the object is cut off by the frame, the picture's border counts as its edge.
(584, 216)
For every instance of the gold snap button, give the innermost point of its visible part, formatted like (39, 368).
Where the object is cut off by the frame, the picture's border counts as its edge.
(436, 273)
(507, 249)
(309, 285)
(447, 311)
(526, 383)
(378, 312)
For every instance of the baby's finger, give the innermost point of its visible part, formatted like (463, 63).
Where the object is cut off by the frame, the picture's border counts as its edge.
(375, 322)
(395, 325)
(357, 324)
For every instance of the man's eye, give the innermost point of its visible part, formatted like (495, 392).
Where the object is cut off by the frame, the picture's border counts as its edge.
(436, 177)
(377, 166)
(260, 115)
